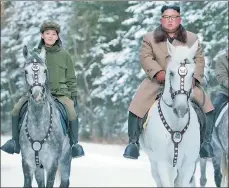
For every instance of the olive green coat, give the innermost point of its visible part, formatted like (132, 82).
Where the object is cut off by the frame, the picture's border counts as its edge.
(61, 71)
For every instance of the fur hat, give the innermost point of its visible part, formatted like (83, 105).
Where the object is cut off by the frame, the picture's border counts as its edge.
(50, 25)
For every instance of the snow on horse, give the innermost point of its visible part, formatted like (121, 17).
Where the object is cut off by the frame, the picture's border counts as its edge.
(44, 144)
(171, 138)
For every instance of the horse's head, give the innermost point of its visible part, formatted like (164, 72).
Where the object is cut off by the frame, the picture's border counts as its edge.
(35, 74)
(179, 76)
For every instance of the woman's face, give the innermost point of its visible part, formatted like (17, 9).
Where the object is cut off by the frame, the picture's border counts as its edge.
(50, 37)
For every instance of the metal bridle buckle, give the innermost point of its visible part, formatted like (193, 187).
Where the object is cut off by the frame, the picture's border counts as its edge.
(177, 137)
(35, 67)
(182, 70)
(36, 146)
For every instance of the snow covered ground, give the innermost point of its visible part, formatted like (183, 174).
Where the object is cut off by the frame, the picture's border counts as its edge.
(102, 166)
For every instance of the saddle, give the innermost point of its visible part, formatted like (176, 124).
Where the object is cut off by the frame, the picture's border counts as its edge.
(60, 107)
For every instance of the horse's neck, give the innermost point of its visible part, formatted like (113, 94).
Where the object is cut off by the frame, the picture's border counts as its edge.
(38, 113)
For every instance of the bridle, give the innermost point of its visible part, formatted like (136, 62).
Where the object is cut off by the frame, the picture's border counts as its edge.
(176, 136)
(35, 68)
(37, 144)
(182, 71)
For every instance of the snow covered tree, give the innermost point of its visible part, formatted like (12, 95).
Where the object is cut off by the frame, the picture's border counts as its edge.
(21, 27)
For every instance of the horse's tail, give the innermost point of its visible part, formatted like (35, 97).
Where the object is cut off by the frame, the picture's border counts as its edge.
(224, 165)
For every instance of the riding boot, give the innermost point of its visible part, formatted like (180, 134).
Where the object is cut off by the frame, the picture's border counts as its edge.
(12, 146)
(132, 150)
(206, 150)
(77, 150)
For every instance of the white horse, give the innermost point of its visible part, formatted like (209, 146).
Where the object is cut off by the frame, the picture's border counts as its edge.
(172, 137)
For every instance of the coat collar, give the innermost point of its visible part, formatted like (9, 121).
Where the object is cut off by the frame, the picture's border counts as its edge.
(160, 34)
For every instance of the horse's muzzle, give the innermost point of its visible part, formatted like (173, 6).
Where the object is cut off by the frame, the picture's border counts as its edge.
(37, 96)
(180, 111)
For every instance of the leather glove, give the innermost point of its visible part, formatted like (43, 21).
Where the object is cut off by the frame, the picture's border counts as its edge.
(160, 77)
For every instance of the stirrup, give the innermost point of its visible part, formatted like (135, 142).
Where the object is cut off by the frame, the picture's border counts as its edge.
(131, 151)
(206, 150)
(77, 151)
(10, 147)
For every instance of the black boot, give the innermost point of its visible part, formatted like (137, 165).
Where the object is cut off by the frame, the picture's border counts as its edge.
(12, 146)
(132, 150)
(77, 150)
(206, 150)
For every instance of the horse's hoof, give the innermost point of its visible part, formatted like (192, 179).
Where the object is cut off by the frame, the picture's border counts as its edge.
(77, 151)
(131, 151)
(9, 147)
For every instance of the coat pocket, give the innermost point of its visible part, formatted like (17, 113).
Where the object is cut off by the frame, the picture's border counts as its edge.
(62, 71)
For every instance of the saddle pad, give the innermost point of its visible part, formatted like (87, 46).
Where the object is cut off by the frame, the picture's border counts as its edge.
(149, 113)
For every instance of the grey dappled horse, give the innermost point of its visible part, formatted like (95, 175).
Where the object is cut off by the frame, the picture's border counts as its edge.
(44, 146)
(220, 148)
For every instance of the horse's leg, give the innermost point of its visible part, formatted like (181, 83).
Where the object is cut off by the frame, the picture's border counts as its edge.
(167, 174)
(216, 160)
(28, 174)
(193, 181)
(39, 176)
(224, 167)
(203, 179)
(51, 173)
(65, 169)
(154, 172)
(186, 175)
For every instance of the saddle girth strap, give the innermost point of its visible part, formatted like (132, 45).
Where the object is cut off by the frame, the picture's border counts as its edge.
(37, 144)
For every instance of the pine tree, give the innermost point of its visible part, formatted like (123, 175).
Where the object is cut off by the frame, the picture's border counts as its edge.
(20, 28)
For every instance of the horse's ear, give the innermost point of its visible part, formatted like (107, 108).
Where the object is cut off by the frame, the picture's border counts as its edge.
(25, 52)
(170, 48)
(194, 48)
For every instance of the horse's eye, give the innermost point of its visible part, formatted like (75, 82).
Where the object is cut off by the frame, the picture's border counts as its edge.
(45, 71)
(26, 72)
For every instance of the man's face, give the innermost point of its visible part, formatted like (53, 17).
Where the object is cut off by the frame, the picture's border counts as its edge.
(50, 37)
(170, 20)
